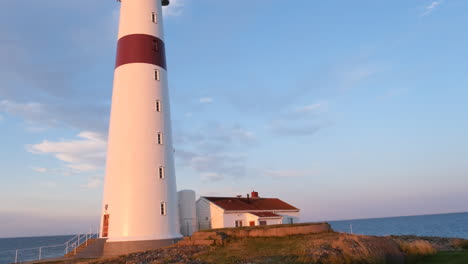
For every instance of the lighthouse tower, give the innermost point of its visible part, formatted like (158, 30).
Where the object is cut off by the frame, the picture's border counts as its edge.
(140, 196)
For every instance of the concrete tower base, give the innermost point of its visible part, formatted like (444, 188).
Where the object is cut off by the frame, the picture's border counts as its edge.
(126, 247)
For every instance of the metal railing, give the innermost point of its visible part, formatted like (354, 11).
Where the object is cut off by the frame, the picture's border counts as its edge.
(45, 252)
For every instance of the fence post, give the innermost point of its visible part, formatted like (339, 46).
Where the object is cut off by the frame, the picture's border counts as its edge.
(75, 248)
(40, 253)
(66, 249)
(16, 257)
(86, 242)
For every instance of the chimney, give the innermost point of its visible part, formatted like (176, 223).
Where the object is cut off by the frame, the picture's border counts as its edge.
(255, 194)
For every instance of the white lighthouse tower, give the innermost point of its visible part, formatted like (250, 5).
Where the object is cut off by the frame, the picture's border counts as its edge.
(140, 196)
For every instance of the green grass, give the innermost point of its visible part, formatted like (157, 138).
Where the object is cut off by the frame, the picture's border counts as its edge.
(446, 257)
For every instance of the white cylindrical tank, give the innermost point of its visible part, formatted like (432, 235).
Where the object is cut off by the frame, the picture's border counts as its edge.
(187, 212)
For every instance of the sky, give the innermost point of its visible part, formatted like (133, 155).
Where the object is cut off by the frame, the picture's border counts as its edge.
(344, 109)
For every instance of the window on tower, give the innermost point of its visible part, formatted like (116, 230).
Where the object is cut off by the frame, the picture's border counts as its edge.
(158, 106)
(157, 75)
(154, 17)
(155, 45)
(161, 173)
(163, 208)
(160, 138)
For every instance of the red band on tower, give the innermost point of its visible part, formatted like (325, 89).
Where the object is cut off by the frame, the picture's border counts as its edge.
(140, 48)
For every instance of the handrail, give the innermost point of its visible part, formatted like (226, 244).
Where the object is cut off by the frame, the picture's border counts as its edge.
(70, 246)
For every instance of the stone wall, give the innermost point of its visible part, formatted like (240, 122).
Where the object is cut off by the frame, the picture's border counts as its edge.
(217, 236)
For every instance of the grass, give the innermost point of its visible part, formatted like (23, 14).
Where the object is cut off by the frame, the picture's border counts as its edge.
(330, 248)
(445, 257)
(417, 248)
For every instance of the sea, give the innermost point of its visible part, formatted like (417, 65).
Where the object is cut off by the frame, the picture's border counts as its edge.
(441, 225)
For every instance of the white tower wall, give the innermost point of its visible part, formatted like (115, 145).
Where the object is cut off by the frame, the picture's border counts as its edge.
(134, 190)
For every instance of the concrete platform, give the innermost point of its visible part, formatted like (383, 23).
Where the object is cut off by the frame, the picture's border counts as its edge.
(112, 249)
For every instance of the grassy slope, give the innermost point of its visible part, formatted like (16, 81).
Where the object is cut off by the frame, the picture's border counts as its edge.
(448, 257)
(315, 248)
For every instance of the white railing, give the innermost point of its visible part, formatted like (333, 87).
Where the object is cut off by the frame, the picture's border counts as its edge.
(45, 252)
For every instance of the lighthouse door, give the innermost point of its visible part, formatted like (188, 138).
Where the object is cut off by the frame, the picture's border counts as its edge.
(105, 226)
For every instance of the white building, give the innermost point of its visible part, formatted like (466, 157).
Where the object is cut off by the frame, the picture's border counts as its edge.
(221, 212)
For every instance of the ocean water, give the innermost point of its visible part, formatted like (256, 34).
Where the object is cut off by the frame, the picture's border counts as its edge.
(53, 246)
(443, 225)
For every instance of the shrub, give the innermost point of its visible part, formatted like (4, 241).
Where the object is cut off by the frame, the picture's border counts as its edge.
(461, 243)
(417, 248)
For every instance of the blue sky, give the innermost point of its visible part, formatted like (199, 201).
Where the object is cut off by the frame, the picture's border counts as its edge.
(346, 109)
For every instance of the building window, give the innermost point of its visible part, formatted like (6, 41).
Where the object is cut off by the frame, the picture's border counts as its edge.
(155, 45)
(263, 223)
(238, 223)
(157, 76)
(154, 17)
(163, 208)
(160, 138)
(158, 106)
(161, 173)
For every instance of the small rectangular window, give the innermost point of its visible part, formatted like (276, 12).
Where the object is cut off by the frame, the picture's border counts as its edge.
(163, 208)
(238, 223)
(158, 106)
(154, 17)
(155, 45)
(157, 76)
(160, 138)
(161, 173)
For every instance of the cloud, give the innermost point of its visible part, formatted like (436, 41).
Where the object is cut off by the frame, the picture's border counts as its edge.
(310, 108)
(300, 121)
(286, 173)
(88, 153)
(40, 116)
(48, 184)
(431, 7)
(93, 183)
(212, 177)
(41, 170)
(206, 100)
(175, 8)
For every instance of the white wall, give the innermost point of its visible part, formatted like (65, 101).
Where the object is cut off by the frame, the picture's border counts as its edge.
(209, 215)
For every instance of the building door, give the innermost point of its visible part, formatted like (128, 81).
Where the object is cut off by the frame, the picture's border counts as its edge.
(105, 226)
(238, 223)
(252, 223)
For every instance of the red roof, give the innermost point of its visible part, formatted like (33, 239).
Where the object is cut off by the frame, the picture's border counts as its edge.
(252, 204)
(265, 214)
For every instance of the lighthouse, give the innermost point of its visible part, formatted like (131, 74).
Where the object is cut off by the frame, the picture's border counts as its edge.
(140, 194)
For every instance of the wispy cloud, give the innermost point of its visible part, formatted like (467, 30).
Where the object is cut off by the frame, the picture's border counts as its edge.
(206, 100)
(431, 7)
(93, 183)
(310, 108)
(40, 170)
(212, 177)
(301, 120)
(48, 184)
(87, 153)
(286, 173)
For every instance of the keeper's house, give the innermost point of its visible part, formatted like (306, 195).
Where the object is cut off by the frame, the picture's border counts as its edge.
(221, 212)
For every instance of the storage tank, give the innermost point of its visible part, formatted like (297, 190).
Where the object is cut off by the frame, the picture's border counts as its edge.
(187, 212)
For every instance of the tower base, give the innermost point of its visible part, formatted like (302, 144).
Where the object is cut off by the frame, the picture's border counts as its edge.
(112, 249)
